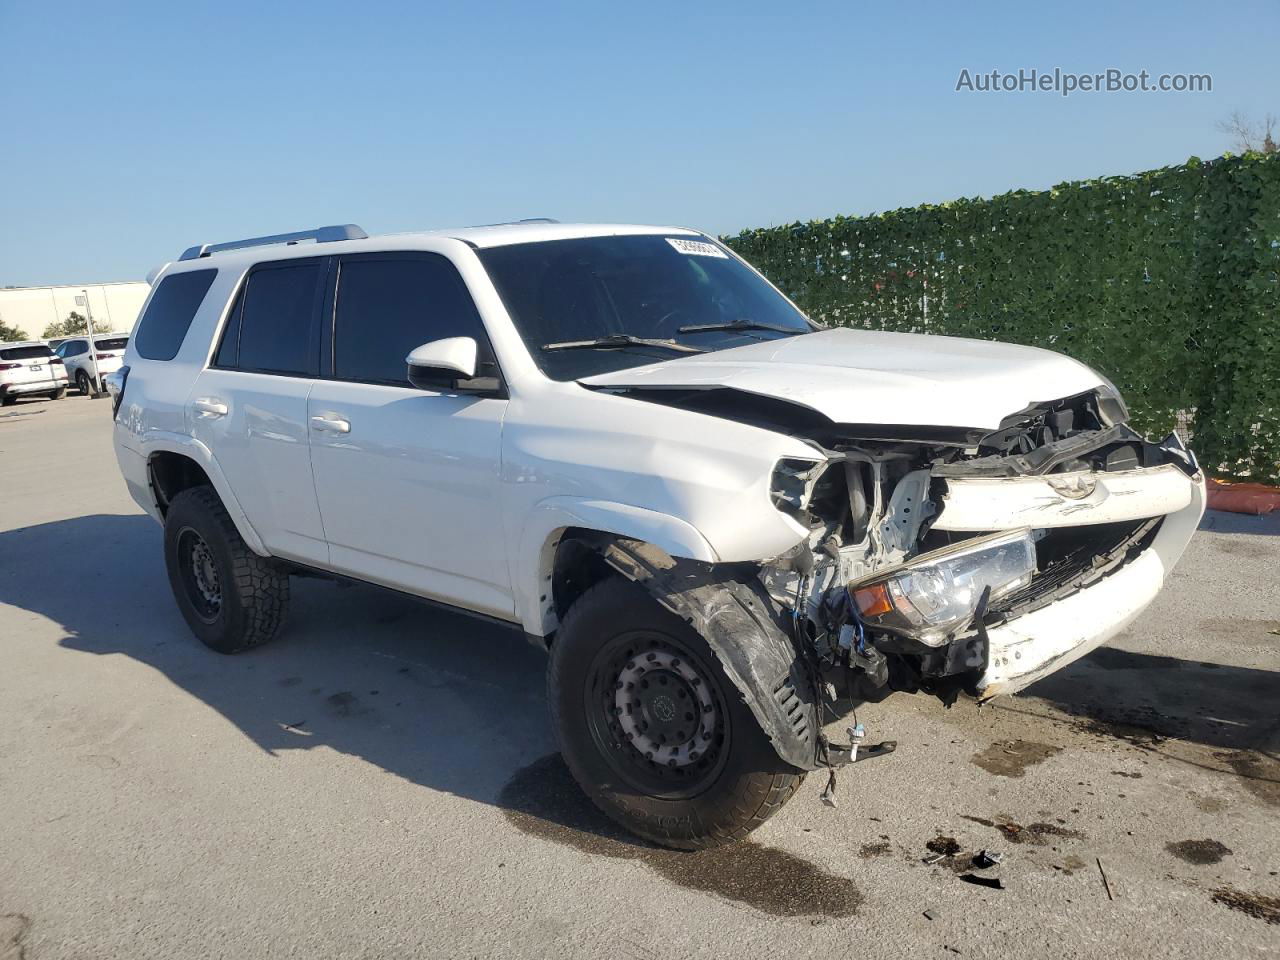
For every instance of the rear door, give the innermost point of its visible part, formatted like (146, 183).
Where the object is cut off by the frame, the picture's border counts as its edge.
(407, 479)
(249, 406)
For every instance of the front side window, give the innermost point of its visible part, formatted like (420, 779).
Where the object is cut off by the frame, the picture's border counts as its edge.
(272, 327)
(578, 302)
(168, 316)
(388, 305)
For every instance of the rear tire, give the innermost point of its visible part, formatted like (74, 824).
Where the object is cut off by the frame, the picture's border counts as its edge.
(82, 383)
(652, 729)
(231, 598)
(8, 401)
(58, 394)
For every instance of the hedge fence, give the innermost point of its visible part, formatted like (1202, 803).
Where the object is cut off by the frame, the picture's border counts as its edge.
(1165, 281)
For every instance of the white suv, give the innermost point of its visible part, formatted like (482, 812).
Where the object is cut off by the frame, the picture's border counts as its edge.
(75, 357)
(724, 521)
(30, 369)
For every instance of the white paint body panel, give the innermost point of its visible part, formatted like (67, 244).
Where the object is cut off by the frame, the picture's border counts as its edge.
(410, 492)
(872, 377)
(1038, 643)
(1010, 503)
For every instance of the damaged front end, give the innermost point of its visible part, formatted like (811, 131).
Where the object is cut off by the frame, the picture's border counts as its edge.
(978, 563)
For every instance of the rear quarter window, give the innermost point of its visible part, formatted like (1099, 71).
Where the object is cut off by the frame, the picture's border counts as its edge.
(168, 316)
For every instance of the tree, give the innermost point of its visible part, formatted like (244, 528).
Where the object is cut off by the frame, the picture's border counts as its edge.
(9, 334)
(71, 326)
(1248, 136)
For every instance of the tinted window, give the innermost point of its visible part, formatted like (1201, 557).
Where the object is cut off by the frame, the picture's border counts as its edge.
(169, 314)
(115, 343)
(25, 353)
(272, 328)
(73, 348)
(388, 306)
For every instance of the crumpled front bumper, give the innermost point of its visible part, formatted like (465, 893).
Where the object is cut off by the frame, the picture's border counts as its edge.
(1038, 643)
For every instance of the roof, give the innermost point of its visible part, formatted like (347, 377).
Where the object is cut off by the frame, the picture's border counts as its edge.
(494, 235)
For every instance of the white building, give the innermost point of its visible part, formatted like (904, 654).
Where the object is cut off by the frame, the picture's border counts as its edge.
(115, 306)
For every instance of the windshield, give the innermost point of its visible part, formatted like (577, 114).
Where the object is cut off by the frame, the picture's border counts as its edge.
(565, 294)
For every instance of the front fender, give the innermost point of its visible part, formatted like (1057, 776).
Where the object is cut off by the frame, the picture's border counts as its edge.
(546, 523)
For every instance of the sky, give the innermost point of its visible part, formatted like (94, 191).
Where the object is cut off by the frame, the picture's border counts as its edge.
(132, 131)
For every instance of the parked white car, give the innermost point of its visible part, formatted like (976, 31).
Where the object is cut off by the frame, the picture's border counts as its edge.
(30, 369)
(723, 521)
(74, 354)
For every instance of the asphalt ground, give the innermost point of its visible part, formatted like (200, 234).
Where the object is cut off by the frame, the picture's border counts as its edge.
(382, 781)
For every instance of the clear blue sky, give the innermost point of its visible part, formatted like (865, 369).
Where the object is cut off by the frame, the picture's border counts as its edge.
(133, 130)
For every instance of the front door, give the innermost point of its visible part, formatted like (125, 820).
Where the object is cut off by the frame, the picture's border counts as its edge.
(407, 479)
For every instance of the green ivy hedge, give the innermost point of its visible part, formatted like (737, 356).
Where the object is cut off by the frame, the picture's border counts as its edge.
(1165, 281)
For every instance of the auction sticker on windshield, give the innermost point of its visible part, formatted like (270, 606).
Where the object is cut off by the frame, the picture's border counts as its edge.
(697, 248)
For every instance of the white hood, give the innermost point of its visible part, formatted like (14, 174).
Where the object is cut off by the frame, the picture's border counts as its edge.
(866, 376)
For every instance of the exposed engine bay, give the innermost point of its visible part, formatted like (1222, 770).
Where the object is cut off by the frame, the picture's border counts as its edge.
(919, 544)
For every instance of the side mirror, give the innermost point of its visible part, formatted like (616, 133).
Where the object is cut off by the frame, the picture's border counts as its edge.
(439, 363)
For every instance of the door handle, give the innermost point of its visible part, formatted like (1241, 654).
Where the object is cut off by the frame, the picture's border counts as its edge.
(209, 407)
(331, 424)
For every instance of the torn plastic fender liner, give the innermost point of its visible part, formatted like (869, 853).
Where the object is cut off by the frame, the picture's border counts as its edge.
(737, 621)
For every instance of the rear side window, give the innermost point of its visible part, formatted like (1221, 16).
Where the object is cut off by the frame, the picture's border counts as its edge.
(115, 343)
(388, 305)
(272, 327)
(25, 353)
(169, 314)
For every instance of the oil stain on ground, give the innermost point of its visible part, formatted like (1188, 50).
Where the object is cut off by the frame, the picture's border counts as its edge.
(543, 800)
(1258, 773)
(1252, 904)
(1200, 852)
(1010, 758)
(1036, 834)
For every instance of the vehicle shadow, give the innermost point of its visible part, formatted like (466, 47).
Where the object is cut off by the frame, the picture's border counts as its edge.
(1219, 521)
(458, 704)
(439, 698)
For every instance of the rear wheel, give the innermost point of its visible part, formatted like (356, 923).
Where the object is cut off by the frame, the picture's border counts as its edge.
(231, 598)
(82, 383)
(58, 394)
(8, 401)
(652, 729)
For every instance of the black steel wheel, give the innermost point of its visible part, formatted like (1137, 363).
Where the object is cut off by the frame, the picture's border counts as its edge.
(653, 730)
(656, 715)
(231, 598)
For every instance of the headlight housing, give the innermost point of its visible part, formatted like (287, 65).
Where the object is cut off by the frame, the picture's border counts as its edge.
(935, 594)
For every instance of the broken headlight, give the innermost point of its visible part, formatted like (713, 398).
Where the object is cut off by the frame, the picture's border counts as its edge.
(791, 483)
(937, 593)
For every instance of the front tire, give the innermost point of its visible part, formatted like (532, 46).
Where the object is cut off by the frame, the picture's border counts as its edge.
(652, 729)
(231, 598)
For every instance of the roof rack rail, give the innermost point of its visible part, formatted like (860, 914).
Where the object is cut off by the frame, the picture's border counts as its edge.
(345, 231)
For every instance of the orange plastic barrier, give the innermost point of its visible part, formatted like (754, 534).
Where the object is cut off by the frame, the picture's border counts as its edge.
(1255, 498)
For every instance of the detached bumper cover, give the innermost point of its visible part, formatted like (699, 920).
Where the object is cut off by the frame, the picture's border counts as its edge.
(1038, 643)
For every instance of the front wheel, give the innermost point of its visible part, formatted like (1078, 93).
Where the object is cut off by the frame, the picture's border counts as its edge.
(652, 729)
(231, 598)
